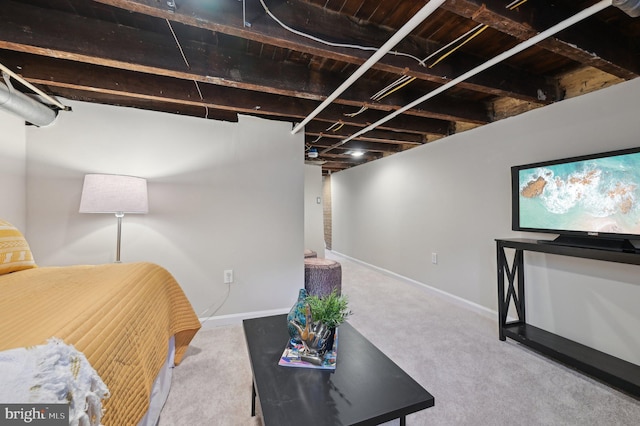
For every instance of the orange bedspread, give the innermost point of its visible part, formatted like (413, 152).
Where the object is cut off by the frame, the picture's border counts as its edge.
(120, 316)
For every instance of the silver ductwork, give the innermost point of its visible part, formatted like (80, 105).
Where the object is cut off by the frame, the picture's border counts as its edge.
(630, 7)
(26, 107)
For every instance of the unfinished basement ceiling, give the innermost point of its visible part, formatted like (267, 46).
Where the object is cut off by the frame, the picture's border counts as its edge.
(216, 58)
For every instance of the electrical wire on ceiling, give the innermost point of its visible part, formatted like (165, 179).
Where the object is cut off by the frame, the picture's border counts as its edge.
(184, 58)
(468, 36)
(330, 43)
(476, 31)
(335, 126)
(515, 4)
(405, 79)
(353, 114)
(451, 43)
(175, 37)
(391, 86)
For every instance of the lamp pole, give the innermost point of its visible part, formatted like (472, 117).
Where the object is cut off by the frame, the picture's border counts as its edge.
(119, 215)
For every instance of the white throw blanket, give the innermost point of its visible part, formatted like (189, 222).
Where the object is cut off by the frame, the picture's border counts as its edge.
(53, 373)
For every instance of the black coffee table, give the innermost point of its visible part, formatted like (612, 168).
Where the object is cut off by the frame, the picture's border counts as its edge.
(366, 388)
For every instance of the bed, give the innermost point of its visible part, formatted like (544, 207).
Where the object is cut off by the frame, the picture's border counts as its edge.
(128, 319)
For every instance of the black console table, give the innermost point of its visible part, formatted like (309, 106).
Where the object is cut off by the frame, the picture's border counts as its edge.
(609, 369)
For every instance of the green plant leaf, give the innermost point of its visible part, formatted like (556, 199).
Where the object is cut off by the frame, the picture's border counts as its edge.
(332, 310)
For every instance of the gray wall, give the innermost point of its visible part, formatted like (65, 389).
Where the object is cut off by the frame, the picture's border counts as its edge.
(221, 196)
(452, 197)
(13, 166)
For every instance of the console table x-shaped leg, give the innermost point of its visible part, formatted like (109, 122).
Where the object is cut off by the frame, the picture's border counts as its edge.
(515, 277)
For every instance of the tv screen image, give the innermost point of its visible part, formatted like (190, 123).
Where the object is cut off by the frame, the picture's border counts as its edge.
(597, 195)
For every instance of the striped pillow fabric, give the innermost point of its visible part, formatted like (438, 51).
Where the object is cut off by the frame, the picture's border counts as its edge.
(15, 254)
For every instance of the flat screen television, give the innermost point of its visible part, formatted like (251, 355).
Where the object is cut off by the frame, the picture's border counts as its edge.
(589, 201)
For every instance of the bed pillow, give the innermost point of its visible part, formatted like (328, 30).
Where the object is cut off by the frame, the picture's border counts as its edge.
(15, 254)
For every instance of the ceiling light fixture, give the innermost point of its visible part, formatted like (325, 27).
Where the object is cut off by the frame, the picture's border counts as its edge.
(357, 153)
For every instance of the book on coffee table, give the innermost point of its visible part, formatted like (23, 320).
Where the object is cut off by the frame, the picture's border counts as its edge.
(293, 356)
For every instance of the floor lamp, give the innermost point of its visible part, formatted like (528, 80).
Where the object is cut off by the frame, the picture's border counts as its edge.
(116, 194)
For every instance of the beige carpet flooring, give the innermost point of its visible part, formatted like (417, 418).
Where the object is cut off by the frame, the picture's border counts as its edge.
(451, 351)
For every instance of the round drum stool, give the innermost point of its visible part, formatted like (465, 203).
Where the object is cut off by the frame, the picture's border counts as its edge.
(322, 276)
(309, 253)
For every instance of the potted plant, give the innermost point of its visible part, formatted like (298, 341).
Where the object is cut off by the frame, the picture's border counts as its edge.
(331, 310)
(322, 315)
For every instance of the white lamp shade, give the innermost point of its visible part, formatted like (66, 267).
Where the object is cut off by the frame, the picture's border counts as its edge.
(114, 194)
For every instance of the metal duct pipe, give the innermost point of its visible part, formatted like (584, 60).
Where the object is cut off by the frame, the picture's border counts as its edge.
(22, 105)
(630, 7)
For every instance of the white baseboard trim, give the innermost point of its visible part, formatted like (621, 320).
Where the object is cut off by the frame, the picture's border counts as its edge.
(457, 300)
(235, 319)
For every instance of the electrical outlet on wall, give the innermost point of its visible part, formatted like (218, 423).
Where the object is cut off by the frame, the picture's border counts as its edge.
(228, 276)
(434, 258)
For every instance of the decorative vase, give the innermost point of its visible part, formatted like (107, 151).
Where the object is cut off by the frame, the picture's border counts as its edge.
(315, 337)
(297, 314)
(330, 339)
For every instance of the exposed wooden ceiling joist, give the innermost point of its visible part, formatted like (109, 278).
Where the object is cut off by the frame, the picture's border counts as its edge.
(123, 52)
(226, 18)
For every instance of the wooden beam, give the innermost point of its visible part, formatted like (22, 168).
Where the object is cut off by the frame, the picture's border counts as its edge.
(578, 43)
(405, 123)
(105, 81)
(146, 104)
(586, 80)
(207, 63)
(366, 137)
(342, 132)
(334, 166)
(354, 145)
